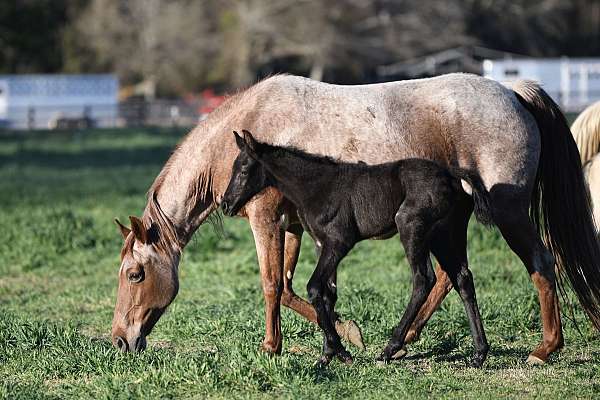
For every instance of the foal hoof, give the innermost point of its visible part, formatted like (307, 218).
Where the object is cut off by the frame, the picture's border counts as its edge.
(382, 360)
(323, 361)
(477, 360)
(534, 360)
(350, 332)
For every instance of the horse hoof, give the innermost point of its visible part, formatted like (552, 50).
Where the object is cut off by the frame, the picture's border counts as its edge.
(535, 360)
(270, 350)
(350, 332)
(400, 354)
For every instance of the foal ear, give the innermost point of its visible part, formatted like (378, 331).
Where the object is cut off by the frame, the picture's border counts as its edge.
(124, 230)
(239, 141)
(137, 226)
(250, 141)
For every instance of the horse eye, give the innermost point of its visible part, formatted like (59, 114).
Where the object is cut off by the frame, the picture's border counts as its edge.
(136, 277)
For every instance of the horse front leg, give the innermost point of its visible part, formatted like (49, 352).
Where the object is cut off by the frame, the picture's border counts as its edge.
(269, 242)
(293, 240)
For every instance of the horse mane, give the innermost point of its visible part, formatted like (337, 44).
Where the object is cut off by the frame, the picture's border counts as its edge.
(168, 239)
(200, 189)
(586, 132)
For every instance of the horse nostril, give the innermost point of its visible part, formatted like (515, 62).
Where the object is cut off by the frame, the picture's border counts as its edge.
(225, 206)
(121, 344)
(140, 343)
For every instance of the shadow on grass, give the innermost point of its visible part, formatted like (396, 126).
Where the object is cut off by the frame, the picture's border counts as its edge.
(96, 158)
(445, 351)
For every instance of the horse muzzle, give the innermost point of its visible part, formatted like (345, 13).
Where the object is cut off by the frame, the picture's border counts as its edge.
(137, 345)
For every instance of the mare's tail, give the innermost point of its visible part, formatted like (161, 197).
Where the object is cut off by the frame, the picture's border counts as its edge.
(560, 204)
(481, 197)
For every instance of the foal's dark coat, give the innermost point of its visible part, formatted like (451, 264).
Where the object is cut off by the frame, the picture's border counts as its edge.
(341, 204)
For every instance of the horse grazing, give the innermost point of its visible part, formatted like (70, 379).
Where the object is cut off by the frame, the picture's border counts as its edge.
(341, 204)
(513, 137)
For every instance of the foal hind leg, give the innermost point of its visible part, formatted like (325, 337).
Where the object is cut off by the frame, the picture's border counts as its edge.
(414, 234)
(458, 222)
(454, 260)
(443, 286)
(523, 239)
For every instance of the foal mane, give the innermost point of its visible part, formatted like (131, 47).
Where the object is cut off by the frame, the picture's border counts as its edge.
(282, 151)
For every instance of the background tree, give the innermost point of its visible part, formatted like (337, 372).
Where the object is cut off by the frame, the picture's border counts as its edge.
(177, 46)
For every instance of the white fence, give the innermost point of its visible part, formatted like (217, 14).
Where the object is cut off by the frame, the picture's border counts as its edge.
(574, 83)
(159, 113)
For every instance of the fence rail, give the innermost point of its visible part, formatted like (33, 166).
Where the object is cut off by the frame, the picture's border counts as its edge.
(158, 113)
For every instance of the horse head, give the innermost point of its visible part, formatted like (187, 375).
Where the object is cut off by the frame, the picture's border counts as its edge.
(148, 283)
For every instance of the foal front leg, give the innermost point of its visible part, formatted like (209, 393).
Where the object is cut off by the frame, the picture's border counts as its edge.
(322, 299)
(347, 329)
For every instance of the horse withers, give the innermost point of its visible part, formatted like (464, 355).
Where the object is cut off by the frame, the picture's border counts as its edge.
(341, 204)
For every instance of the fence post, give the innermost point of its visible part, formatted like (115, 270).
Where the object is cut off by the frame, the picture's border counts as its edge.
(30, 117)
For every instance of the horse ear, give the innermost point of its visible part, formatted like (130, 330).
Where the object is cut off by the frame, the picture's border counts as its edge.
(250, 141)
(124, 230)
(239, 141)
(137, 226)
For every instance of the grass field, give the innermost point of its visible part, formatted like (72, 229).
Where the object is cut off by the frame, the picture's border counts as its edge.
(58, 274)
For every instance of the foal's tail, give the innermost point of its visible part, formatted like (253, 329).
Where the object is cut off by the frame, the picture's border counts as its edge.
(481, 197)
(560, 204)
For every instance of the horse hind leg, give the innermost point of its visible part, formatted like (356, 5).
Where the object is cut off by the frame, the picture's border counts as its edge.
(522, 237)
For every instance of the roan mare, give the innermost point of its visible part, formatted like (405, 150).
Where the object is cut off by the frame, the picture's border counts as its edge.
(340, 204)
(513, 136)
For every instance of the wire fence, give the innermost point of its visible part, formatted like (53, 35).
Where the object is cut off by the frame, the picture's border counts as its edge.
(135, 113)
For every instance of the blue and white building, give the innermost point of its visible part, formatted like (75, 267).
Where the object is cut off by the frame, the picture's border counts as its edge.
(574, 83)
(40, 101)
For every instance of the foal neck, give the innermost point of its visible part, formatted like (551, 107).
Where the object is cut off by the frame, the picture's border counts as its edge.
(297, 174)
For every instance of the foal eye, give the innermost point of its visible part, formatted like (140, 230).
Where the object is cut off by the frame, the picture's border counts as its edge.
(136, 277)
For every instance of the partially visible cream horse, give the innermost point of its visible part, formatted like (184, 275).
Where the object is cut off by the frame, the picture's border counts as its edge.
(586, 131)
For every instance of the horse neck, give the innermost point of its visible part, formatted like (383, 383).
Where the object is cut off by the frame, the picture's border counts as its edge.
(184, 190)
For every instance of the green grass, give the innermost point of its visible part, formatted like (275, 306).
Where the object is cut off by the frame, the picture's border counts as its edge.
(59, 256)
